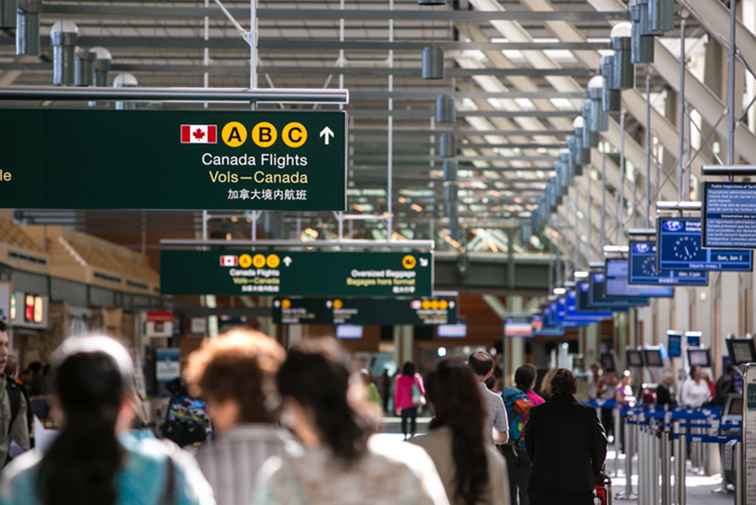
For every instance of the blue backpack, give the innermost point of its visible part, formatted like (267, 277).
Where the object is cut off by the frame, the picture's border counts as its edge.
(518, 407)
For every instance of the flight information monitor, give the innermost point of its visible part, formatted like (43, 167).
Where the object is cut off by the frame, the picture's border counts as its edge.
(643, 271)
(699, 357)
(679, 247)
(693, 338)
(617, 283)
(599, 300)
(349, 331)
(576, 314)
(729, 212)
(451, 330)
(652, 358)
(607, 362)
(741, 350)
(674, 344)
(518, 327)
(634, 358)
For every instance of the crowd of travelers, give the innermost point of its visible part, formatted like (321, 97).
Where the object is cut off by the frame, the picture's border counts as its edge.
(301, 426)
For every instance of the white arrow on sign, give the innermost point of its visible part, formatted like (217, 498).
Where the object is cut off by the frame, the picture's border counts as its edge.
(287, 261)
(327, 134)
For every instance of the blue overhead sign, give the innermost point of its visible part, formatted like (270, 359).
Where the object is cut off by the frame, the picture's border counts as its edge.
(575, 314)
(643, 271)
(729, 213)
(680, 248)
(617, 283)
(598, 298)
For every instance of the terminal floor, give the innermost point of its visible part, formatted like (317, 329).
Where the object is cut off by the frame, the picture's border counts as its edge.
(700, 488)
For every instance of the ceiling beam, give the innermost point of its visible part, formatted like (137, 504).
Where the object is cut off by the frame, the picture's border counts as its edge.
(241, 14)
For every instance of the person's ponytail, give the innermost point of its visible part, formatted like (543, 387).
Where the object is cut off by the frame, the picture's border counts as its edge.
(92, 380)
(81, 464)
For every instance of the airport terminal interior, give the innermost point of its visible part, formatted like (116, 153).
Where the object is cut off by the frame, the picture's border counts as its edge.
(533, 184)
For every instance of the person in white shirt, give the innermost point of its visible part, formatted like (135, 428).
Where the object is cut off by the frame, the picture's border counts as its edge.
(695, 391)
(497, 423)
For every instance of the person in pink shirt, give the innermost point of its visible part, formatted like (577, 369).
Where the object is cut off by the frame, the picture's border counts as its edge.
(535, 398)
(409, 395)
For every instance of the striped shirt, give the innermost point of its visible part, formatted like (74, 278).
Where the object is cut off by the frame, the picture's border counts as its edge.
(231, 463)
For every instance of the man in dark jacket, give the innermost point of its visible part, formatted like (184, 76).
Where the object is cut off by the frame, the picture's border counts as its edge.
(567, 446)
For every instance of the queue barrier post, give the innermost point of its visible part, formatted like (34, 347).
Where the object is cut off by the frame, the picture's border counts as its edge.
(631, 436)
(654, 471)
(680, 462)
(666, 461)
(617, 419)
(740, 491)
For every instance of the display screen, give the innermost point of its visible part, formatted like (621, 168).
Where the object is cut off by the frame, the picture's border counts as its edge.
(653, 358)
(452, 330)
(694, 339)
(599, 299)
(729, 212)
(607, 362)
(674, 345)
(550, 331)
(574, 313)
(741, 350)
(680, 248)
(699, 357)
(348, 331)
(29, 308)
(643, 271)
(634, 359)
(617, 283)
(518, 327)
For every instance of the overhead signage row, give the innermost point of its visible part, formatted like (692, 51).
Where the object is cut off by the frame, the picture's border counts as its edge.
(431, 311)
(155, 159)
(296, 273)
(643, 271)
(729, 215)
(679, 247)
(617, 283)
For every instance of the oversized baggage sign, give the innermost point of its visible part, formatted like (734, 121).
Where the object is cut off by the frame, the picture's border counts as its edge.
(296, 273)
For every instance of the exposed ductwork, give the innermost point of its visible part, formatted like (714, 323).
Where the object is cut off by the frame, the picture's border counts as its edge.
(125, 80)
(432, 66)
(84, 64)
(8, 13)
(101, 66)
(27, 27)
(63, 37)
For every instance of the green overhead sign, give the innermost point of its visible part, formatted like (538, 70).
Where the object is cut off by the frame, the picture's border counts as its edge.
(365, 311)
(296, 273)
(107, 159)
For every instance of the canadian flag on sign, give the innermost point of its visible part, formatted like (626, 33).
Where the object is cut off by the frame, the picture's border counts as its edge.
(229, 261)
(199, 134)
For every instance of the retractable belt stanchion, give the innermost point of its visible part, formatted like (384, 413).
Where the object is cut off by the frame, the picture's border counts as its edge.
(666, 461)
(739, 480)
(654, 466)
(617, 417)
(680, 461)
(632, 442)
(644, 483)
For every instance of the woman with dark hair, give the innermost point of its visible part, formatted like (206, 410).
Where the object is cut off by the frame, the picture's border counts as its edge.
(93, 460)
(409, 395)
(695, 391)
(566, 445)
(325, 407)
(471, 469)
